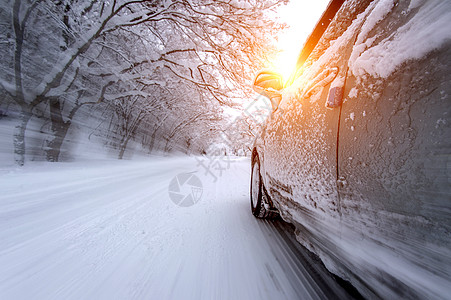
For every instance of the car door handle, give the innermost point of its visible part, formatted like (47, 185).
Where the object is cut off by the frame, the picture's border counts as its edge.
(335, 98)
(323, 79)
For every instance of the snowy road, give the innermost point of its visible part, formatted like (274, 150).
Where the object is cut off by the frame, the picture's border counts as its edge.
(108, 230)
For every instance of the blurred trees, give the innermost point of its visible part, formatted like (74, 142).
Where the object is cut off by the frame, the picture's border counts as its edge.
(160, 70)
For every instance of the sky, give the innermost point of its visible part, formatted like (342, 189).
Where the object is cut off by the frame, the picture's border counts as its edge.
(301, 17)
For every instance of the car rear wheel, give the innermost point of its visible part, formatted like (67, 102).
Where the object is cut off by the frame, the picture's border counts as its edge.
(259, 201)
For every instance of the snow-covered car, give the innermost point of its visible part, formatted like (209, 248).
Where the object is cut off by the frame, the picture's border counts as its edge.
(357, 151)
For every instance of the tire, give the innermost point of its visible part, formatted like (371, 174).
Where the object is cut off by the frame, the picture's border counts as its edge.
(259, 199)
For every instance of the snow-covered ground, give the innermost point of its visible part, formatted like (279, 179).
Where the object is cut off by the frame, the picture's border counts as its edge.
(109, 230)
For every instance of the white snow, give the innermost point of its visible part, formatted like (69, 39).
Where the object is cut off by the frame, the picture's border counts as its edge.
(377, 14)
(427, 30)
(415, 3)
(353, 93)
(108, 230)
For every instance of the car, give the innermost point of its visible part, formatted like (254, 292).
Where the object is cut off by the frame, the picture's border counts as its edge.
(357, 150)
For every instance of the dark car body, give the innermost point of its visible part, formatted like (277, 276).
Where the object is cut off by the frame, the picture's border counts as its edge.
(367, 183)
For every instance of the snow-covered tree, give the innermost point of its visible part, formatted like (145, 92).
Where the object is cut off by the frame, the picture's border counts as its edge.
(60, 56)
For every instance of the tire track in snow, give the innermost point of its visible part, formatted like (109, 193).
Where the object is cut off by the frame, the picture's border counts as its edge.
(121, 237)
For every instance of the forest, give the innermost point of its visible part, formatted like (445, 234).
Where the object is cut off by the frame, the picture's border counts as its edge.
(123, 76)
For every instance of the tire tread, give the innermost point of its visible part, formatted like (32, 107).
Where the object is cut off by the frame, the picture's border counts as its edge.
(260, 210)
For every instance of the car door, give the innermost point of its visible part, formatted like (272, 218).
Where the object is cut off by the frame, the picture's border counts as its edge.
(301, 138)
(394, 153)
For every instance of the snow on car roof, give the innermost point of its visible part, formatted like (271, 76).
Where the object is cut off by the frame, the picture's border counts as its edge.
(427, 30)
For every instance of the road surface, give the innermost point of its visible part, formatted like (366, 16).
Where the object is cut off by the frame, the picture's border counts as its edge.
(109, 230)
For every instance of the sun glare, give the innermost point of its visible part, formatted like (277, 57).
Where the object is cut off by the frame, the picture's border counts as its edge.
(285, 61)
(301, 17)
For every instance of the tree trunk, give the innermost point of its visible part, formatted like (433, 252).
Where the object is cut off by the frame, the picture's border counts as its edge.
(123, 146)
(19, 136)
(59, 130)
(53, 149)
(166, 147)
(152, 140)
(132, 132)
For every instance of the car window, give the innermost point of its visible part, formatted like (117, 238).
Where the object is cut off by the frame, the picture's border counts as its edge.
(344, 17)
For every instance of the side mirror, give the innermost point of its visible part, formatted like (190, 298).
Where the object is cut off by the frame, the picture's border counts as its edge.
(269, 84)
